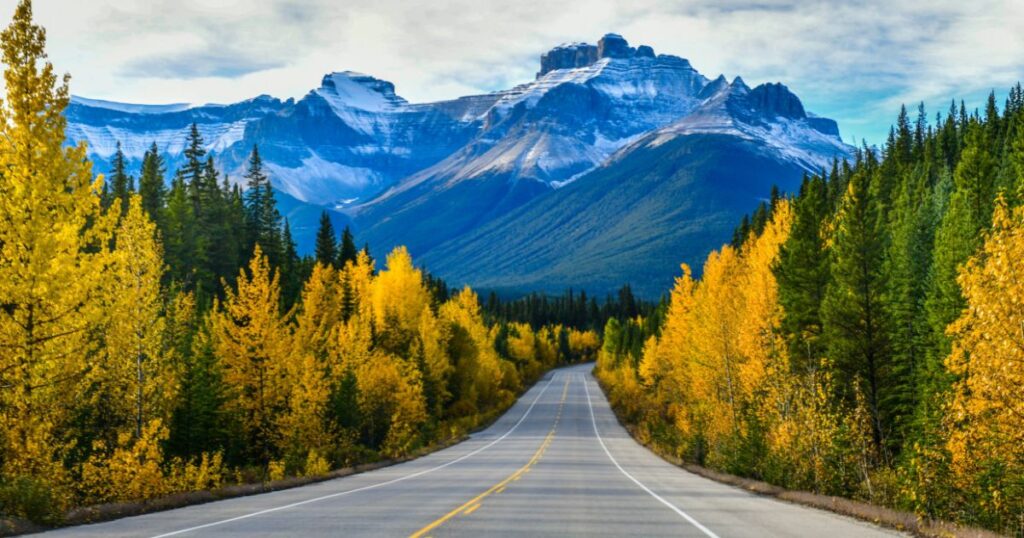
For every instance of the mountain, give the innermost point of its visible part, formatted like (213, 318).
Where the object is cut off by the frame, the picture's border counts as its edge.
(612, 165)
(672, 195)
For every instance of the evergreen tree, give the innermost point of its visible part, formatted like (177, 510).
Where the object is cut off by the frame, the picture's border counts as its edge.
(854, 312)
(293, 271)
(262, 215)
(347, 251)
(958, 236)
(195, 152)
(121, 184)
(199, 422)
(181, 238)
(151, 183)
(326, 242)
(802, 272)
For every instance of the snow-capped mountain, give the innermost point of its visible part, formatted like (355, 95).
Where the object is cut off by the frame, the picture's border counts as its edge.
(432, 175)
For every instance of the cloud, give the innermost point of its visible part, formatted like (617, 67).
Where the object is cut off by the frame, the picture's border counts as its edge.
(223, 63)
(856, 62)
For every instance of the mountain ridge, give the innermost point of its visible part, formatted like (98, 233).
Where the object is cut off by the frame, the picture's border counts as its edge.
(429, 175)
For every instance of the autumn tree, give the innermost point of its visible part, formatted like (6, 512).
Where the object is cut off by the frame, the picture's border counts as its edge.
(135, 324)
(52, 257)
(252, 340)
(986, 419)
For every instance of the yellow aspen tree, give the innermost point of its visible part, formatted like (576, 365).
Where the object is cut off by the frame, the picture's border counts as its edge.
(399, 292)
(251, 338)
(52, 252)
(524, 349)
(391, 402)
(760, 341)
(986, 418)
(310, 373)
(437, 365)
(583, 345)
(477, 365)
(140, 377)
(303, 425)
(319, 312)
(715, 358)
(357, 284)
(663, 361)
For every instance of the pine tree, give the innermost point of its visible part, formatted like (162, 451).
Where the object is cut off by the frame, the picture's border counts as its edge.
(912, 227)
(803, 273)
(326, 242)
(121, 184)
(151, 183)
(854, 312)
(194, 153)
(200, 421)
(264, 220)
(347, 251)
(293, 271)
(958, 236)
(182, 244)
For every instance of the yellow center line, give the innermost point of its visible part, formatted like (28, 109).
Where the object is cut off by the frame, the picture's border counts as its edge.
(473, 504)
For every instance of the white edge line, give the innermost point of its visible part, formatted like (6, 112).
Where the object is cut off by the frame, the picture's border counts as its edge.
(685, 516)
(371, 486)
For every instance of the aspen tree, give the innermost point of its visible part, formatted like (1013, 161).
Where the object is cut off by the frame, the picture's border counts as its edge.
(53, 251)
(252, 340)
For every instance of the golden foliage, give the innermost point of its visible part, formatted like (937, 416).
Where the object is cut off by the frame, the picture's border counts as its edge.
(253, 341)
(398, 292)
(130, 471)
(986, 418)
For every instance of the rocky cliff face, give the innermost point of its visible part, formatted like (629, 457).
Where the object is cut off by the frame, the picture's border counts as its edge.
(776, 100)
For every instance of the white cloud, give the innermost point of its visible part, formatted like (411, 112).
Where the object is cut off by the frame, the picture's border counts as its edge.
(852, 61)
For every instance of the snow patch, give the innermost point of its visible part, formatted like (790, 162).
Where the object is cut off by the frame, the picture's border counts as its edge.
(130, 108)
(102, 140)
(321, 181)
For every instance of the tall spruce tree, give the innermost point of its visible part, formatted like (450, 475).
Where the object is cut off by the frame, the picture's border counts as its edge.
(151, 183)
(121, 184)
(802, 272)
(959, 234)
(854, 311)
(264, 220)
(326, 242)
(347, 251)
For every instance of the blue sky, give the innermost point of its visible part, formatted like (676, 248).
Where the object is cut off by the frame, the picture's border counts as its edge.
(854, 62)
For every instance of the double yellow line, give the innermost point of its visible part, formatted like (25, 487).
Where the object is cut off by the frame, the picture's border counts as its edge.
(473, 504)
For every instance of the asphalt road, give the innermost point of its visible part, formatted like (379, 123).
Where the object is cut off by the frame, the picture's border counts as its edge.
(557, 464)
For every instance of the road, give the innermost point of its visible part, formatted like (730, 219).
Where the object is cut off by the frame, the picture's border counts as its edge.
(557, 464)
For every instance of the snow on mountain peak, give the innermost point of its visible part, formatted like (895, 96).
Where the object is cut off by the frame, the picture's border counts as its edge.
(129, 108)
(350, 89)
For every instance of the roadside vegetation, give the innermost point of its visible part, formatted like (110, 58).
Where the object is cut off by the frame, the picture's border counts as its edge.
(863, 338)
(155, 341)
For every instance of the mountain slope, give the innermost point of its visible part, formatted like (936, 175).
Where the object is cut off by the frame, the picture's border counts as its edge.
(671, 195)
(631, 222)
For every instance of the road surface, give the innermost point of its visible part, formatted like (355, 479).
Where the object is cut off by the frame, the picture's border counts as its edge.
(557, 464)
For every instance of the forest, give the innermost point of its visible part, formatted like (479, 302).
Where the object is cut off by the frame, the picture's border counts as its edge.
(861, 338)
(159, 340)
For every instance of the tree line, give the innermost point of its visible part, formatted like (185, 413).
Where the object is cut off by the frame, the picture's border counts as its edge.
(156, 340)
(863, 337)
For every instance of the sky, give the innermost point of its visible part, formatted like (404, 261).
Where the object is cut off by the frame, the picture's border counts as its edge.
(855, 62)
